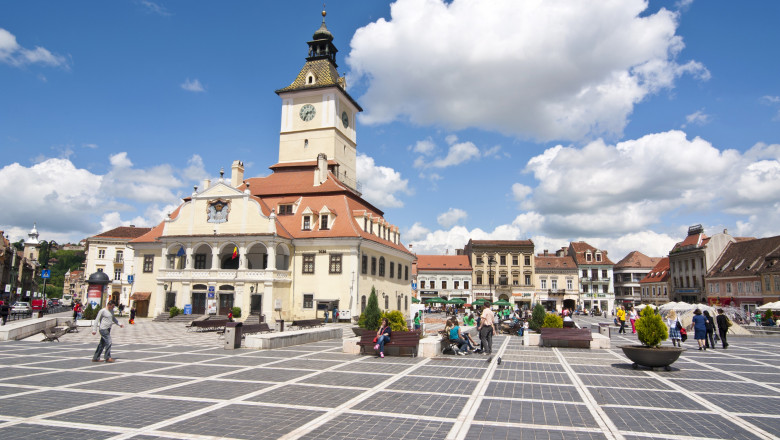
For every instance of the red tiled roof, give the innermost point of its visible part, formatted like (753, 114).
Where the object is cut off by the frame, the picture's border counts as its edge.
(637, 259)
(659, 273)
(123, 232)
(553, 262)
(747, 258)
(443, 262)
(580, 248)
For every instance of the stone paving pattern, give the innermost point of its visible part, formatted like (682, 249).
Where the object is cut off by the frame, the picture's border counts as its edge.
(186, 386)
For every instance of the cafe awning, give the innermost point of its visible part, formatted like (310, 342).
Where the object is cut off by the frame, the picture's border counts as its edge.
(140, 296)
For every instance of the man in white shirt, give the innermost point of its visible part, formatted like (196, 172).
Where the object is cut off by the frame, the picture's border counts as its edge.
(103, 322)
(486, 329)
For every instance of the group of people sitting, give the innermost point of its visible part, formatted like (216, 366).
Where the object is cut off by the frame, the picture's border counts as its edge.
(465, 343)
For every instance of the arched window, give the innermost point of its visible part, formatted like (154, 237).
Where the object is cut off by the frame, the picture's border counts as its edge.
(382, 268)
(387, 302)
(406, 303)
(363, 304)
(399, 303)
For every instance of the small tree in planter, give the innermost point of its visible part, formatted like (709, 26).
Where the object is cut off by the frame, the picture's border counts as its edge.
(397, 321)
(174, 311)
(552, 320)
(537, 317)
(651, 331)
(371, 318)
(650, 328)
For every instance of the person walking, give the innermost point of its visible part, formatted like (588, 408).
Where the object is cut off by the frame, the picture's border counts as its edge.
(699, 326)
(417, 321)
(382, 337)
(709, 340)
(723, 327)
(103, 322)
(674, 328)
(121, 308)
(132, 315)
(4, 311)
(326, 316)
(633, 316)
(486, 329)
(76, 311)
(621, 316)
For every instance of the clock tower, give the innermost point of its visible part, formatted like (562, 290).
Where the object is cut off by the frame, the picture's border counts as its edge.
(318, 115)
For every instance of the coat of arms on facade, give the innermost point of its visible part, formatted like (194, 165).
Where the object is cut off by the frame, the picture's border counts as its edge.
(217, 211)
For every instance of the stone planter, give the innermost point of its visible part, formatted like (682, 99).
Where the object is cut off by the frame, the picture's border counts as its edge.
(652, 357)
(358, 331)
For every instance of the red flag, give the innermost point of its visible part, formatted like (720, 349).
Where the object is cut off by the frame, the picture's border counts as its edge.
(235, 252)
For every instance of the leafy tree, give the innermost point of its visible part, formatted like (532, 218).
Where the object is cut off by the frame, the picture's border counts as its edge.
(236, 312)
(44, 253)
(371, 318)
(650, 328)
(397, 321)
(537, 317)
(552, 320)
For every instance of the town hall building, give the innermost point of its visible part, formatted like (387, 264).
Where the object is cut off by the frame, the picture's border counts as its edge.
(289, 245)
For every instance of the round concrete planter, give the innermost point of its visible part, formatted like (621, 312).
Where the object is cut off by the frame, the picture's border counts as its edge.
(652, 357)
(358, 331)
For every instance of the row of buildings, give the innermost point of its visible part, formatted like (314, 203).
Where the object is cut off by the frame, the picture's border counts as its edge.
(19, 268)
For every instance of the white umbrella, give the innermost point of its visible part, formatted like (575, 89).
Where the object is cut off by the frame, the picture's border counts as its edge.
(770, 306)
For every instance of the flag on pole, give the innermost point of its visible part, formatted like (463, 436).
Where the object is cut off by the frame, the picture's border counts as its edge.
(181, 252)
(235, 252)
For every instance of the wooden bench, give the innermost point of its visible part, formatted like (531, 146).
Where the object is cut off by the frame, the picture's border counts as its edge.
(569, 324)
(247, 329)
(208, 325)
(53, 334)
(566, 337)
(307, 323)
(409, 339)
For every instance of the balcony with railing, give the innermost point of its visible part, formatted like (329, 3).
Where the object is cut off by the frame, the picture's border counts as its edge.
(205, 275)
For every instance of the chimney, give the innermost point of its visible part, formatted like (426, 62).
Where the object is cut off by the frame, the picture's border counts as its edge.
(237, 173)
(321, 172)
(726, 231)
(546, 252)
(206, 184)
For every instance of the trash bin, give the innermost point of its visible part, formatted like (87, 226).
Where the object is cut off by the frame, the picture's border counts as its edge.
(279, 325)
(604, 329)
(233, 335)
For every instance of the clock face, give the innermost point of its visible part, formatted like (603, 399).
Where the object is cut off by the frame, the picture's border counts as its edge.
(308, 112)
(345, 119)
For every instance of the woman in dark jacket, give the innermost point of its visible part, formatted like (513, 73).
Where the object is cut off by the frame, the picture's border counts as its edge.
(382, 337)
(709, 341)
(699, 326)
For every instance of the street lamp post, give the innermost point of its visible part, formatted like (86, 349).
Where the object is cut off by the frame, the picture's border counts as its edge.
(491, 262)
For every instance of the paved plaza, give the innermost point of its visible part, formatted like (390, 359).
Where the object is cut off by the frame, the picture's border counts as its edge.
(197, 390)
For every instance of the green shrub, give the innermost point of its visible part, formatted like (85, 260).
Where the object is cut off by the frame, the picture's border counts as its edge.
(768, 315)
(236, 312)
(90, 313)
(371, 318)
(552, 320)
(397, 321)
(174, 311)
(650, 328)
(537, 317)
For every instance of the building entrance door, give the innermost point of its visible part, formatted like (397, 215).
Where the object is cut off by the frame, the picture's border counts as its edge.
(142, 309)
(115, 298)
(225, 303)
(198, 303)
(256, 306)
(170, 300)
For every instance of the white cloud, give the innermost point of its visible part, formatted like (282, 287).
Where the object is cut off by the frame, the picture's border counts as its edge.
(90, 146)
(380, 185)
(120, 160)
(451, 139)
(456, 155)
(494, 151)
(768, 99)
(154, 8)
(520, 191)
(697, 118)
(14, 54)
(451, 217)
(425, 146)
(548, 70)
(196, 170)
(193, 86)
(416, 232)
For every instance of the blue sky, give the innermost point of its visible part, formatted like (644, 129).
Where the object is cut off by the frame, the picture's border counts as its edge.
(620, 123)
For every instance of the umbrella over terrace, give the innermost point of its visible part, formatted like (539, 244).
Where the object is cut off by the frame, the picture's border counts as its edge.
(457, 301)
(502, 302)
(436, 300)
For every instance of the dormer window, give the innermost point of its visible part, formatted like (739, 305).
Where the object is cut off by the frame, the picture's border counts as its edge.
(324, 222)
(286, 209)
(588, 257)
(306, 223)
(598, 257)
(310, 78)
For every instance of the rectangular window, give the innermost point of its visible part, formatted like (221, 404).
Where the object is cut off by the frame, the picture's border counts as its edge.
(527, 260)
(422, 284)
(381, 266)
(148, 263)
(101, 253)
(285, 209)
(457, 284)
(479, 260)
(757, 286)
(554, 284)
(119, 257)
(653, 290)
(543, 283)
(433, 284)
(739, 287)
(479, 279)
(392, 269)
(406, 273)
(728, 287)
(335, 263)
(118, 274)
(443, 284)
(528, 280)
(777, 283)
(308, 263)
(584, 273)
(308, 301)
(515, 281)
(569, 284)
(585, 288)
(598, 257)
(324, 221)
(604, 274)
(306, 223)
(604, 288)
(200, 261)
(502, 259)
(465, 284)
(373, 265)
(514, 260)
(747, 287)
(768, 284)
(588, 257)
(693, 264)
(364, 264)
